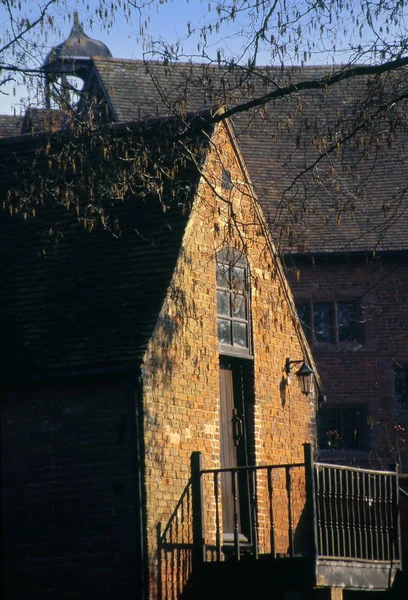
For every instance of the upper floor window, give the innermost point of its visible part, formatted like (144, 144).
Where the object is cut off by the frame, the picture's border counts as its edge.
(401, 387)
(335, 321)
(233, 308)
(226, 180)
(343, 427)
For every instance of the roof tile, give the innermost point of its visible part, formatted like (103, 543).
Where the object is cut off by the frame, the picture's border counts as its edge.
(351, 199)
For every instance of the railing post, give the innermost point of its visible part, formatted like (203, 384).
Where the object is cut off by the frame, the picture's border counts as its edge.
(198, 516)
(311, 496)
(396, 514)
(159, 561)
(290, 515)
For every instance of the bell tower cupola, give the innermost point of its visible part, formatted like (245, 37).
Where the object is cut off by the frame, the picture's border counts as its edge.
(71, 59)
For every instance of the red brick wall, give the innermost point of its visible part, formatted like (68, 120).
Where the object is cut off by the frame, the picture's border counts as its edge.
(362, 373)
(181, 381)
(67, 489)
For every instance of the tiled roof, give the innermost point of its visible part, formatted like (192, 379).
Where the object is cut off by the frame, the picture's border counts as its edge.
(353, 199)
(138, 89)
(42, 119)
(10, 125)
(34, 121)
(76, 299)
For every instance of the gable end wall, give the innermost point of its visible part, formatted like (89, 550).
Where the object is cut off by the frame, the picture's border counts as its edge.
(181, 365)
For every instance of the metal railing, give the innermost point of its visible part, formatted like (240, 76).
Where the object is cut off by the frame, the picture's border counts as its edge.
(194, 532)
(297, 509)
(175, 548)
(356, 513)
(270, 492)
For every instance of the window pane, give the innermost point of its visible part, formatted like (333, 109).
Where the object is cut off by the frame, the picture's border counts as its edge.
(232, 300)
(303, 311)
(329, 428)
(240, 335)
(238, 279)
(238, 306)
(223, 303)
(352, 428)
(346, 321)
(224, 332)
(223, 275)
(226, 179)
(343, 427)
(322, 316)
(401, 388)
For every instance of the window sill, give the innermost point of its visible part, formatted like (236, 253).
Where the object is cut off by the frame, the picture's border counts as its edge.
(227, 350)
(325, 347)
(340, 456)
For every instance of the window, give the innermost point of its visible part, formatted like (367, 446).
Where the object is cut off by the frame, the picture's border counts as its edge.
(323, 321)
(343, 427)
(401, 387)
(226, 180)
(335, 321)
(233, 302)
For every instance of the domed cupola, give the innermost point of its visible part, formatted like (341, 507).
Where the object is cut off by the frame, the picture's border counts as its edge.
(73, 57)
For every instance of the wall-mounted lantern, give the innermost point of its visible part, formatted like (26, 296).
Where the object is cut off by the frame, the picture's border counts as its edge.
(304, 375)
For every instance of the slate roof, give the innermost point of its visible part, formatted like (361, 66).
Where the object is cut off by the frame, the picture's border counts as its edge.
(34, 120)
(77, 46)
(353, 199)
(10, 125)
(73, 299)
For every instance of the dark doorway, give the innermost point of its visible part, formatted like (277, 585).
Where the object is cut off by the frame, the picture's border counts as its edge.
(237, 447)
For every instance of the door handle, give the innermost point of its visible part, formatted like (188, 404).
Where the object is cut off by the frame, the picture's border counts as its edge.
(237, 427)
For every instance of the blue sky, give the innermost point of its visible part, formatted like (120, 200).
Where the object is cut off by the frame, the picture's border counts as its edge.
(122, 38)
(167, 21)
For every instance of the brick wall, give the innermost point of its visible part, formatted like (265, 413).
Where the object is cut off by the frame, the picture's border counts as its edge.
(181, 366)
(362, 373)
(67, 490)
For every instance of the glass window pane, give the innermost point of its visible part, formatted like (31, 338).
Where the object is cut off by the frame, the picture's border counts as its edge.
(401, 388)
(232, 301)
(238, 306)
(352, 428)
(343, 427)
(240, 334)
(224, 332)
(223, 275)
(223, 303)
(346, 321)
(303, 311)
(329, 428)
(322, 316)
(226, 179)
(238, 279)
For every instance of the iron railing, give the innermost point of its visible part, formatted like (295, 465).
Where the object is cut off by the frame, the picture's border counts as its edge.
(356, 513)
(175, 548)
(308, 509)
(271, 492)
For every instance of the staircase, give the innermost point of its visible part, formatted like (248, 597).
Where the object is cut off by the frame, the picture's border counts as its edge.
(307, 526)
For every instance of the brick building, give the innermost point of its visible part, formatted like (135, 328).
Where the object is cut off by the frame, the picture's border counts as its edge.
(336, 208)
(355, 314)
(337, 216)
(101, 329)
(125, 354)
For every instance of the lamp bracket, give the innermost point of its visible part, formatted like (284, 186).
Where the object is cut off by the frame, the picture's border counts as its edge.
(289, 363)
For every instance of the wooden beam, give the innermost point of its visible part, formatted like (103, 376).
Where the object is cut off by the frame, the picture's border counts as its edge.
(334, 593)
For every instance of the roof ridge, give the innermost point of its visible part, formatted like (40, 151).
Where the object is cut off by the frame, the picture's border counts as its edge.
(176, 64)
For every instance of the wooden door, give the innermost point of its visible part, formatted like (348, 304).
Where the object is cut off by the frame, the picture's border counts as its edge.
(233, 446)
